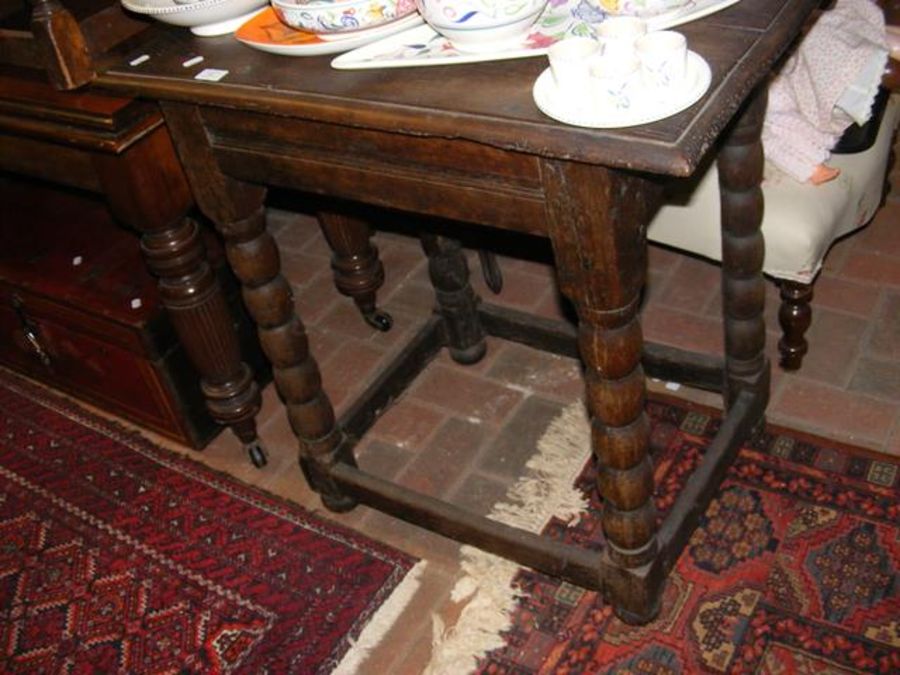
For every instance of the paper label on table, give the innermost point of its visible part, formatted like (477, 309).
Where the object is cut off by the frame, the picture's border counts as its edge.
(211, 74)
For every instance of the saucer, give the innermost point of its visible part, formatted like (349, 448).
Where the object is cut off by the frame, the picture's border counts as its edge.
(644, 105)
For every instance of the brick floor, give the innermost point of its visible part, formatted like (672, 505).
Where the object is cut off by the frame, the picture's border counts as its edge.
(480, 421)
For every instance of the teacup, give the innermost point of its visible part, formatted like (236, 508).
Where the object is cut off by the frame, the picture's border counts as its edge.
(663, 58)
(612, 80)
(570, 65)
(617, 35)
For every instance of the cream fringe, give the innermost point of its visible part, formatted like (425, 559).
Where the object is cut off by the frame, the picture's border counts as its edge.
(546, 490)
(381, 622)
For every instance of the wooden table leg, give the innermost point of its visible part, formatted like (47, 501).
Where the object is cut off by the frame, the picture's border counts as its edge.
(456, 300)
(238, 211)
(740, 163)
(358, 273)
(598, 231)
(146, 189)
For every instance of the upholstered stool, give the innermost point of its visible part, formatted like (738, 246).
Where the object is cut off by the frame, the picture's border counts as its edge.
(800, 224)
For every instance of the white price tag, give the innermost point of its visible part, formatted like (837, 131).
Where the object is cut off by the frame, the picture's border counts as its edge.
(211, 74)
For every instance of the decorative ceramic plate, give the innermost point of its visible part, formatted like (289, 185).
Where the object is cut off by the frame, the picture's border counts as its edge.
(636, 105)
(423, 46)
(267, 33)
(204, 17)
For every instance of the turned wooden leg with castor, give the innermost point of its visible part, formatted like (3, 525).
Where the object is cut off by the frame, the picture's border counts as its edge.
(740, 164)
(457, 303)
(146, 189)
(601, 257)
(358, 273)
(795, 316)
(191, 295)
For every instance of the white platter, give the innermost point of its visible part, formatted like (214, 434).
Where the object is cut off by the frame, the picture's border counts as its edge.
(423, 46)
(645, 106)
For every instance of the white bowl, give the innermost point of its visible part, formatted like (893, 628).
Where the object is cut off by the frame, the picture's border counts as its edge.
(481, 25)
(641, 8)
(204, 17)
(340, 16)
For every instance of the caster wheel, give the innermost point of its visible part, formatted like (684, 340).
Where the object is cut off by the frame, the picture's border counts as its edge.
(257, 455)
(379, 320)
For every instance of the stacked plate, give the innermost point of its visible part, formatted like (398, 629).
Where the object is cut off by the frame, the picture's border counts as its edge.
(335, 17)
(203, 17)
(311, 27)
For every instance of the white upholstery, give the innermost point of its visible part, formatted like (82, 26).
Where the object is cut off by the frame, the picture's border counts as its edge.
(801, 221)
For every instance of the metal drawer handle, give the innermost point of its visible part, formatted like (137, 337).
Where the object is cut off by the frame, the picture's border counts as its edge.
(30, 330)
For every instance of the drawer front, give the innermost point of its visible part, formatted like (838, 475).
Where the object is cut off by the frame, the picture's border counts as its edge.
(85, 366)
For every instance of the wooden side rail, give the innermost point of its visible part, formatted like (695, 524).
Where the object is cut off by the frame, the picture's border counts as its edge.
(587, 568)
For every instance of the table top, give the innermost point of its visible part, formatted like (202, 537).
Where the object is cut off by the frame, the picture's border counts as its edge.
(489, 103)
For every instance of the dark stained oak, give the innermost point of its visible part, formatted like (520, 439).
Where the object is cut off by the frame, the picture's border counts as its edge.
(740, 163)
(467, 143)
(457, 302)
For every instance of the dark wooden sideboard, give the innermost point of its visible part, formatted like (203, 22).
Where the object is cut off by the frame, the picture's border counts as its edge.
(118, 147)
(76, 169)
(467, 143)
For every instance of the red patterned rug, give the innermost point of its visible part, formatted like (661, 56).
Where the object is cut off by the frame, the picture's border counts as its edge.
(793, 569)
(119, 556)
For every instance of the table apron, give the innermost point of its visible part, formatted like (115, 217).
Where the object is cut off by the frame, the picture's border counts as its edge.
(420, 174)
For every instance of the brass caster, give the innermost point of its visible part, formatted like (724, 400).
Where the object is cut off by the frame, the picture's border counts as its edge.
(257, 454)
(380, 320)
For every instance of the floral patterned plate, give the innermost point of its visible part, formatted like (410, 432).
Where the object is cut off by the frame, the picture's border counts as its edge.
(267, 33)
(423, 46)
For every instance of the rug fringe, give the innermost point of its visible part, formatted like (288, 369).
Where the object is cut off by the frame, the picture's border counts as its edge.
(381, 622)
(546, 490)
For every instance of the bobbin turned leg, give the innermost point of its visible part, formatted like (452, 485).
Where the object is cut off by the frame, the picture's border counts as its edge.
(600, 249)
(254, 256)
(358, 273)
(795, 316)
(146, 189)
(457, 302)
(740, 164)
(237, 209)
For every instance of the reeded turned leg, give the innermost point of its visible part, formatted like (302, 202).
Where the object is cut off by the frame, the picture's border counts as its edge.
(740, 163)
(795, 316)
(146, 189)
(358, 273)
(197, 307)
(598, 230)
(457, 302)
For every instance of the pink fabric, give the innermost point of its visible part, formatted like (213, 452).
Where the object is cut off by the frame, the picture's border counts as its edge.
(802, 123)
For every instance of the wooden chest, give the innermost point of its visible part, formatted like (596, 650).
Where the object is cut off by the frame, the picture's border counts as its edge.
(80, 312)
